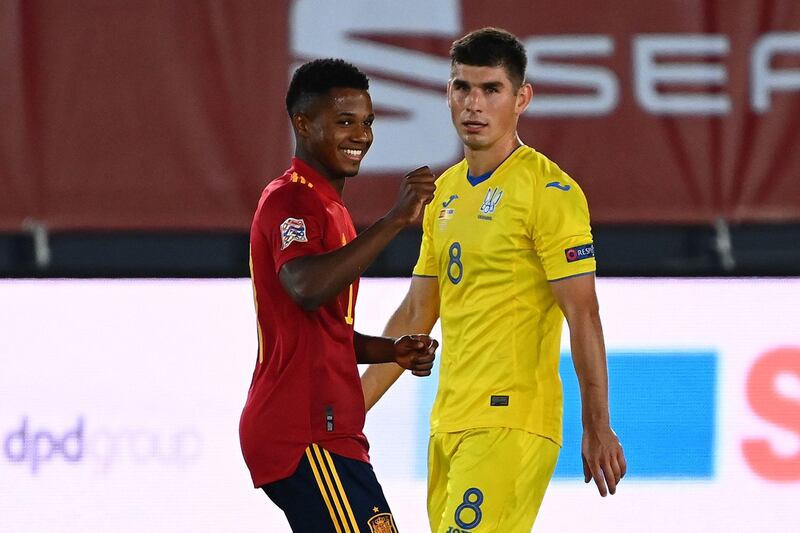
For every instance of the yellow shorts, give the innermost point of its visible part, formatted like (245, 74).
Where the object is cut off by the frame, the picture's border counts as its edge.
(488, 479)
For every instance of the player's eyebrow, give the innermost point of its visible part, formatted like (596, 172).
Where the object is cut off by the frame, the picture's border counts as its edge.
(462, 84)
(492, 85)
(348, 114)
(351, 113)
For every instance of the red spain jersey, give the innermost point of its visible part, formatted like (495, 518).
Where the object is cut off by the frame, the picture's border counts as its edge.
(306, 386)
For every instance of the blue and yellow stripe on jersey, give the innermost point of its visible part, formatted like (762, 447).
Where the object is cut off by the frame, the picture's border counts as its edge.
(496, 242)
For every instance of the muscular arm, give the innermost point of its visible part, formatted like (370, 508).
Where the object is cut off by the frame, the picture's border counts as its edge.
(314, 280)
(417, 313)
(603, 459)
(412, 352)
(373, 350)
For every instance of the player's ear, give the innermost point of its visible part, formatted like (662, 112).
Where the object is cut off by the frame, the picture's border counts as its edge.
(449, 90)
(301, 124)
(524, 96)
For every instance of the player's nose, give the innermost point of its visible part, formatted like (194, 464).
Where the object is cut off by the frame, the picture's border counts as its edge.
(473, 101)
(362, 134)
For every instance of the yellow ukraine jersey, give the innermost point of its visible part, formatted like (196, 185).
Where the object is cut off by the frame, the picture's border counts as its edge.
(494, 242)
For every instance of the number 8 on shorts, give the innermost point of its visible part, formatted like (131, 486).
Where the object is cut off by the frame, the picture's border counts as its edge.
(470, 508)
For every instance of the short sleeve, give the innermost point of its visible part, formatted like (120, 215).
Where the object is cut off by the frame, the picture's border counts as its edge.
(426, 262)
(292, 222)
(561, 230)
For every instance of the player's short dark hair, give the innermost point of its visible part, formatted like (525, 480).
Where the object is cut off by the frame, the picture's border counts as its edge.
(317, 78)
(492, 47)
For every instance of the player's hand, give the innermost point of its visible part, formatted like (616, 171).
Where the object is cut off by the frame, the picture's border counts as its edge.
(416, 191)
(603, 458)
(416, 353)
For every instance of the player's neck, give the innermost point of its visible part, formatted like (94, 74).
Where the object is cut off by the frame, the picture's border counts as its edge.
(481, 161)
(336, 183)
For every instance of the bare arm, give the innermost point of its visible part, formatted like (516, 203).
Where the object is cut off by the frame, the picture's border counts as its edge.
(417, 314)
(314, 280)
(411, 352)
(603, 458)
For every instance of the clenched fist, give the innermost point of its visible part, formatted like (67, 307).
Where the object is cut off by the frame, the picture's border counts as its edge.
(416, 191)
(416, 353)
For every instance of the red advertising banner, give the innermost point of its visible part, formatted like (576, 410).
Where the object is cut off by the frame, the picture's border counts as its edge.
(153, 115)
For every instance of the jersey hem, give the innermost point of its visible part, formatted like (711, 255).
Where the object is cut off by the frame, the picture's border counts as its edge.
(460, 429)
(260, 481)
(573, 276)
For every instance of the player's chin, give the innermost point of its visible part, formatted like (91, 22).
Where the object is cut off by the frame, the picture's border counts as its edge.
(350, 169)
(474, 141)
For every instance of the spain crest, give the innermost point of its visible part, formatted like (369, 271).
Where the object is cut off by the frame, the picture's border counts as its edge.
(382, 523)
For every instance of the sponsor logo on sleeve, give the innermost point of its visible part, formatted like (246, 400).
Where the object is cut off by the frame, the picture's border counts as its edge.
(293, 230)
(558, 185)
(576, 253)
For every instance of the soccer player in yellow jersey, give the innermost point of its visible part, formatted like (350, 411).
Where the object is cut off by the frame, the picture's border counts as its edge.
(506, 254)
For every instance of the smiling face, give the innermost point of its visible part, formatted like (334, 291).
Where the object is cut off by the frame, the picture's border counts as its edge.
(484, 105)
(336, 132)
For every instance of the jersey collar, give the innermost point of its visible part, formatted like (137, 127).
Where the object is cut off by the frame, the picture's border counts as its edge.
(477, 180)
(319, 182)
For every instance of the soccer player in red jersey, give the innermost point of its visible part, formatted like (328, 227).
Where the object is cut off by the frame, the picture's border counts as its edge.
(301, 429)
